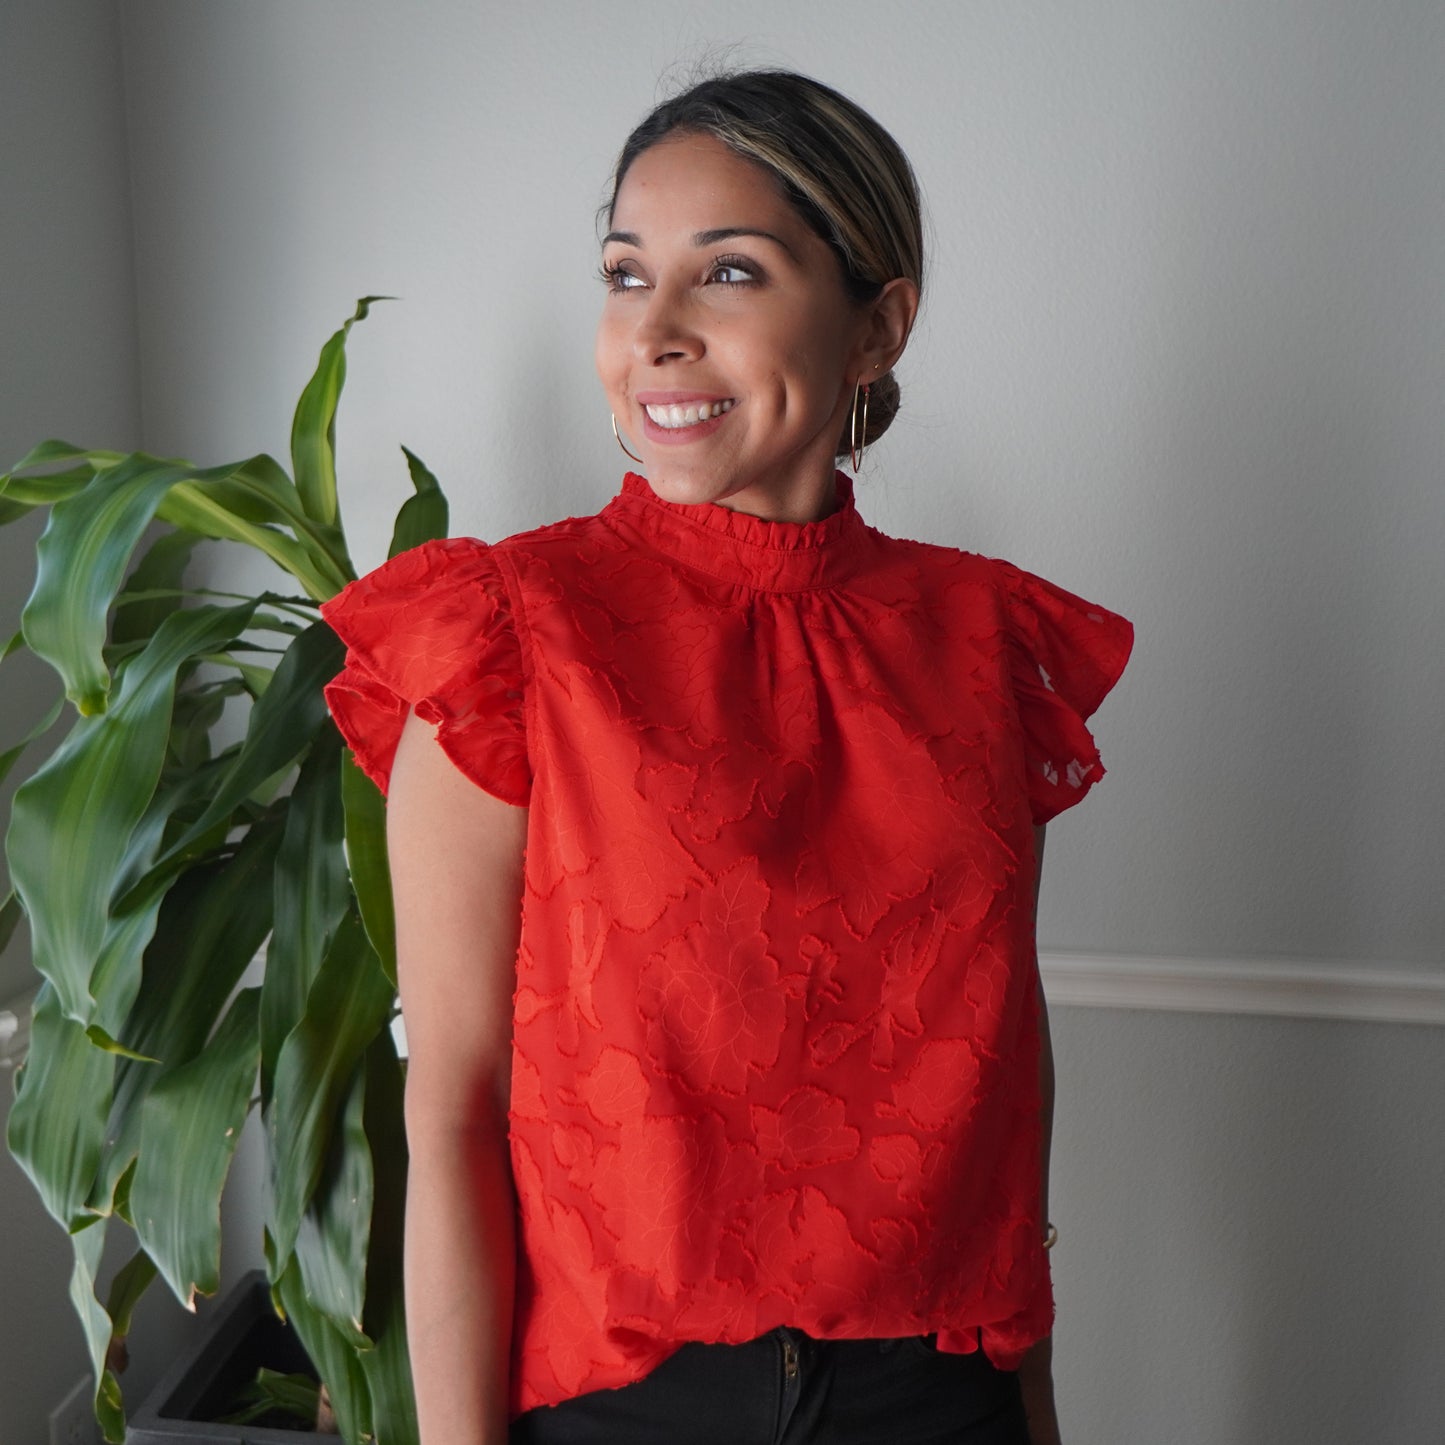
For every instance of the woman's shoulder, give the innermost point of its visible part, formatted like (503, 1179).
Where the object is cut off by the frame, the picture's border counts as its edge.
(943, 566)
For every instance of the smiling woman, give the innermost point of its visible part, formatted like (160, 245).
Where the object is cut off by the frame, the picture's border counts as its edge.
(715, 822)
(729, 346)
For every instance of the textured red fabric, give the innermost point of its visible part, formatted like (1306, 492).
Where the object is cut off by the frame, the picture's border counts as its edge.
(776, 1045)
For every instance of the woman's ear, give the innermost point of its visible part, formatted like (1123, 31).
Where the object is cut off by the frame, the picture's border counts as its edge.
(891, 316)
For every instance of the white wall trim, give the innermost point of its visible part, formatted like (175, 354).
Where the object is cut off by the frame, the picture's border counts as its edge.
(1363, 992)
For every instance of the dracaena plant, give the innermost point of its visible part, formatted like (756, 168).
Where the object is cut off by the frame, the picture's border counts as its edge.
(152, 862)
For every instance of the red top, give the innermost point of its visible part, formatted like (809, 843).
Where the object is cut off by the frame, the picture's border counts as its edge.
(775, 1056)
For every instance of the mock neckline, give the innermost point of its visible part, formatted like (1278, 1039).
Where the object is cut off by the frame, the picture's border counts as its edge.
(774, 556)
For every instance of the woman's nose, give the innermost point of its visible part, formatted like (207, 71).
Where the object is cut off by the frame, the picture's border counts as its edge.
(666, 330)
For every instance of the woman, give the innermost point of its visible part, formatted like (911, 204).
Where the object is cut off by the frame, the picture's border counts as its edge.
(728, 1102)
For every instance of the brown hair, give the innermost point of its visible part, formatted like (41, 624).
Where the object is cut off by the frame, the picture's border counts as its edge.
(844, 174)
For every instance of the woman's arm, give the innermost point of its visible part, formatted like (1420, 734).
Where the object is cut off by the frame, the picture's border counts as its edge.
(456, 866)
(1036, 1377)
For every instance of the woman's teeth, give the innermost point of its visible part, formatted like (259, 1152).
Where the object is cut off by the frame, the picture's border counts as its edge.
(672, 417)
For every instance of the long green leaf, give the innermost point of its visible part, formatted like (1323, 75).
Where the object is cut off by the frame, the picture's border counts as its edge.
(425, 516)
(89, 1244)
(313, 429)
(131, 1281)
(311, 898)
(153, 858)
(71, 823)
(115, 979)
(197, 711)
(80, 560)
(367, 859)
(189, 507)
(348, 1005)
(387, 1366)
(296, 1396)
(334, 1358)
(283, 722)
(161, 570)
(331, 1244)
(47, 453)
(211, 924)
(22, 488)
(141, 885)
(26, 493)
(257, 491)
(190, 1125)
(57, 1123)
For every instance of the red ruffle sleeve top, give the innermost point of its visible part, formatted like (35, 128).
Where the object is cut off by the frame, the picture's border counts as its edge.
(775, 1050)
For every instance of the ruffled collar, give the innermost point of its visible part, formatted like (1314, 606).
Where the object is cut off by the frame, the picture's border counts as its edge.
(773, 556)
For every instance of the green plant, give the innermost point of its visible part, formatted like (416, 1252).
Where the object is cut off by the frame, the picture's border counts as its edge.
(152, 863)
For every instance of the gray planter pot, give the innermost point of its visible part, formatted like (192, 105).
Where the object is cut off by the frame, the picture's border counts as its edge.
(239, 1338)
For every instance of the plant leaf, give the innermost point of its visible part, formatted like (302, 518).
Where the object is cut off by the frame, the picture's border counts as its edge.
(88, 1245)
(387, 1366)
(27, 493)
(367, 859)
(313, 429)
(425, 516)
(80, 560)
(312, 894)
(23, 492)
(71, 823)
(131, 1281)
(331, 1244)
(335, 1360)
(257, 493)
(285, 718)
(192, 508)
(349, 1003)
(296, 1396)
(49, 452)
(190, 1125)
(211, 924)
(57, 1122)
(162, 570)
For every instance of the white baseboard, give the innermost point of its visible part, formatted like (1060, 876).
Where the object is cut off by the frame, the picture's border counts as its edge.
(1288, 988)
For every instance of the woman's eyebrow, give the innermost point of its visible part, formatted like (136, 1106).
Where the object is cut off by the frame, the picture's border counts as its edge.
(726, 233)
(701, 238)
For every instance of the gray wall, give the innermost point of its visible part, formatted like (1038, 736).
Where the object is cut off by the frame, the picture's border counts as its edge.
(67, 368)
(1183, 352)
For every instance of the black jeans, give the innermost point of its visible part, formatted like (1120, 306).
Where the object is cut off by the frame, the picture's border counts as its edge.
(787, 1388)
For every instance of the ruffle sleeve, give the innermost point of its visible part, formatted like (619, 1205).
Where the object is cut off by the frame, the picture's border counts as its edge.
(1066, 656)
(432, 630)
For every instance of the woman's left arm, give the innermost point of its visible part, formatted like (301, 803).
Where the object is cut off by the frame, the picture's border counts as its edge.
(1036, 1376)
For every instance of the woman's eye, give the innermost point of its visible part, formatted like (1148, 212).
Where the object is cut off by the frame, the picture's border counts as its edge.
(619, 279)
(732, 273)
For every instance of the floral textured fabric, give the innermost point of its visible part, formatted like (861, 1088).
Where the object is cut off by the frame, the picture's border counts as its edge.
(776, 1045)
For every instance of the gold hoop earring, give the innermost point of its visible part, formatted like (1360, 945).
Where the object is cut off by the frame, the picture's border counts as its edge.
(855, 445)
(623, 444)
